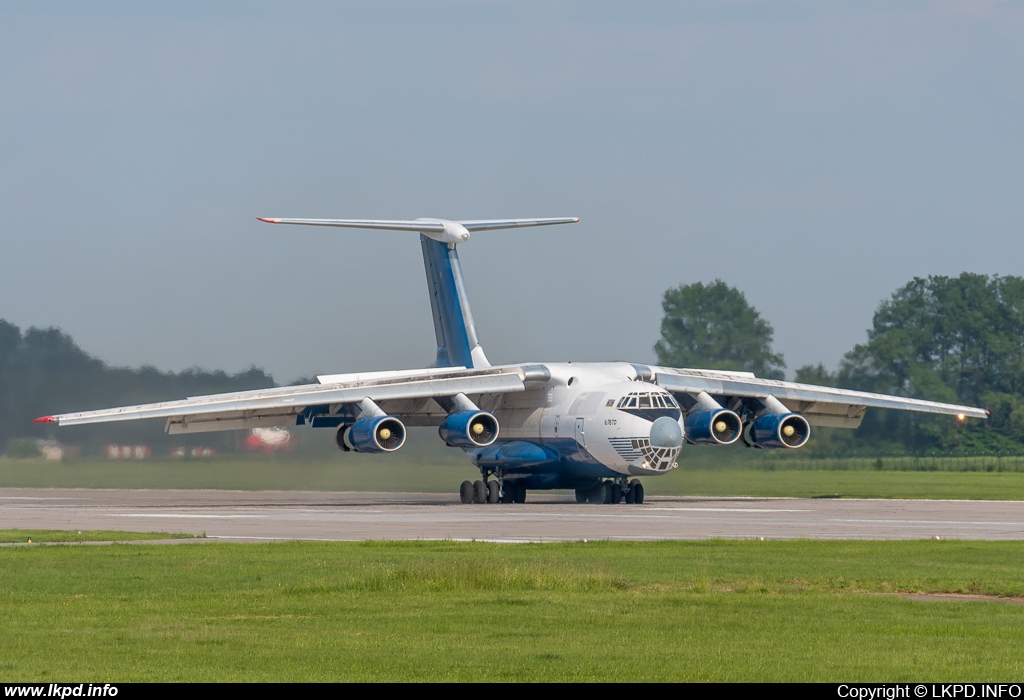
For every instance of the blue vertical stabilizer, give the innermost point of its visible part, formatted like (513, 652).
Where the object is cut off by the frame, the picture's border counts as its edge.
(457, 342)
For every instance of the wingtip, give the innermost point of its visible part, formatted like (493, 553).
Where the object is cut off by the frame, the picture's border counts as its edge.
(575, 219)
(45, 419)
(269, 221)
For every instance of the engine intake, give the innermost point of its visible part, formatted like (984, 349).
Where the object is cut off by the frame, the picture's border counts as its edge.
(713, 427)
(469, 429)
(779, 431)
(373, 434)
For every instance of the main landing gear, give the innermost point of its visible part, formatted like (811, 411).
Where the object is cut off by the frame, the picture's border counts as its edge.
(615, 491)
(492, 491)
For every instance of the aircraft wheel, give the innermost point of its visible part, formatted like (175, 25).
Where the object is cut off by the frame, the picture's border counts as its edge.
(609, 492)
(582, 495)
(638, 491)
(630, 495)
(479, 492)
(616, 492)
(493, 492)
(520, 495)
(508, 493)
(745, 436)
(466, 492)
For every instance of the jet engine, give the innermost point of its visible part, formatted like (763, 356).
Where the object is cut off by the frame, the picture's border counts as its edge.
(778, 431)
(469, 429)
(373, 434)
(710, 426)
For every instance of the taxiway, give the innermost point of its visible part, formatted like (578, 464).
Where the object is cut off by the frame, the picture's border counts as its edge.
(306, 515)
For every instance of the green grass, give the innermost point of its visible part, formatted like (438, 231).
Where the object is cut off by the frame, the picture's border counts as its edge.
(1006, 486)
(697, 477)
(45, 536)
(698, 611)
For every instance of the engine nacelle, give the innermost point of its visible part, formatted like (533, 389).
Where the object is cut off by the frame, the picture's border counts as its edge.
(710, 426)
(373, 434)
(469, 429)
(779, 431)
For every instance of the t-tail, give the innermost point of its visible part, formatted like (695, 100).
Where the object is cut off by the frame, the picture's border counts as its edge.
(457, 342)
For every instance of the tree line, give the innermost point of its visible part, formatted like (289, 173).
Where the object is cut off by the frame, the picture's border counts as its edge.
(952, 339)
(43, 372)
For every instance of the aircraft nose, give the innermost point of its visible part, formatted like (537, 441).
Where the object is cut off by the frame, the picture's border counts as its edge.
(666, 432)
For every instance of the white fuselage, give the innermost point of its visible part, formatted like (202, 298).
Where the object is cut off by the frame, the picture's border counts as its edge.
(595, 416)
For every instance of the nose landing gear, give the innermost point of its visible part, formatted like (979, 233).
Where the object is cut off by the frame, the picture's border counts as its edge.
(613, 491)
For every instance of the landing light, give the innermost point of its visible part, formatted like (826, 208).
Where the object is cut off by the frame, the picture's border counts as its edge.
(961, 417)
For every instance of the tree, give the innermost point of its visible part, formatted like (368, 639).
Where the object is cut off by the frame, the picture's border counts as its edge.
(43, 371)
(713, 327)
(955, 339)
(815, 374)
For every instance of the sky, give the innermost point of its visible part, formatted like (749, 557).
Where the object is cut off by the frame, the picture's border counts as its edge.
(817, 156)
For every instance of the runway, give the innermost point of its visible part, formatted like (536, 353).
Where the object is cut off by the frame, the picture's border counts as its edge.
(306, 515)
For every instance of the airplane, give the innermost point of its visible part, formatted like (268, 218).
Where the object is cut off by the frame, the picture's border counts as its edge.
(593, 427)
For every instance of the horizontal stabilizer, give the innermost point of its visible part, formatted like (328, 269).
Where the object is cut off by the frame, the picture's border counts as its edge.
(443, 230)
(385, 224)
(495, 224)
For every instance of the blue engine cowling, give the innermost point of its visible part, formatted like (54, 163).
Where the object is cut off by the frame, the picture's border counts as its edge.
(469, 429)
(710, 426)
(374, 434)
(779, 431)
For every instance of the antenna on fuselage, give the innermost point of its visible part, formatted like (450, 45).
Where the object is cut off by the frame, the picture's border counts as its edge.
(457, 341)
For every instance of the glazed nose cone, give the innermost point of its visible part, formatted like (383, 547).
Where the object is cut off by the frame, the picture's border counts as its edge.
(666, 432)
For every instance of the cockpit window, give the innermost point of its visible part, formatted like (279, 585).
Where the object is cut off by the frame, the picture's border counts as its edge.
(647, 400)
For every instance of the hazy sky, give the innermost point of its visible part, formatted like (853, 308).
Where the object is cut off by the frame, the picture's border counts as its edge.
(815, 155)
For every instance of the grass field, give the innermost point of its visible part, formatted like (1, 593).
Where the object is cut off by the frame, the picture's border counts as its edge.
(699, 611)
(64, 536)
(697, 477)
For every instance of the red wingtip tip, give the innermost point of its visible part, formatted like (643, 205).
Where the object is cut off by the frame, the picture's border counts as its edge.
(45, 419)
(269, 221)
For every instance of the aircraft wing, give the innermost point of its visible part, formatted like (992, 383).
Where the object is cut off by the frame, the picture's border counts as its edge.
(405, 394)
(820, 405)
